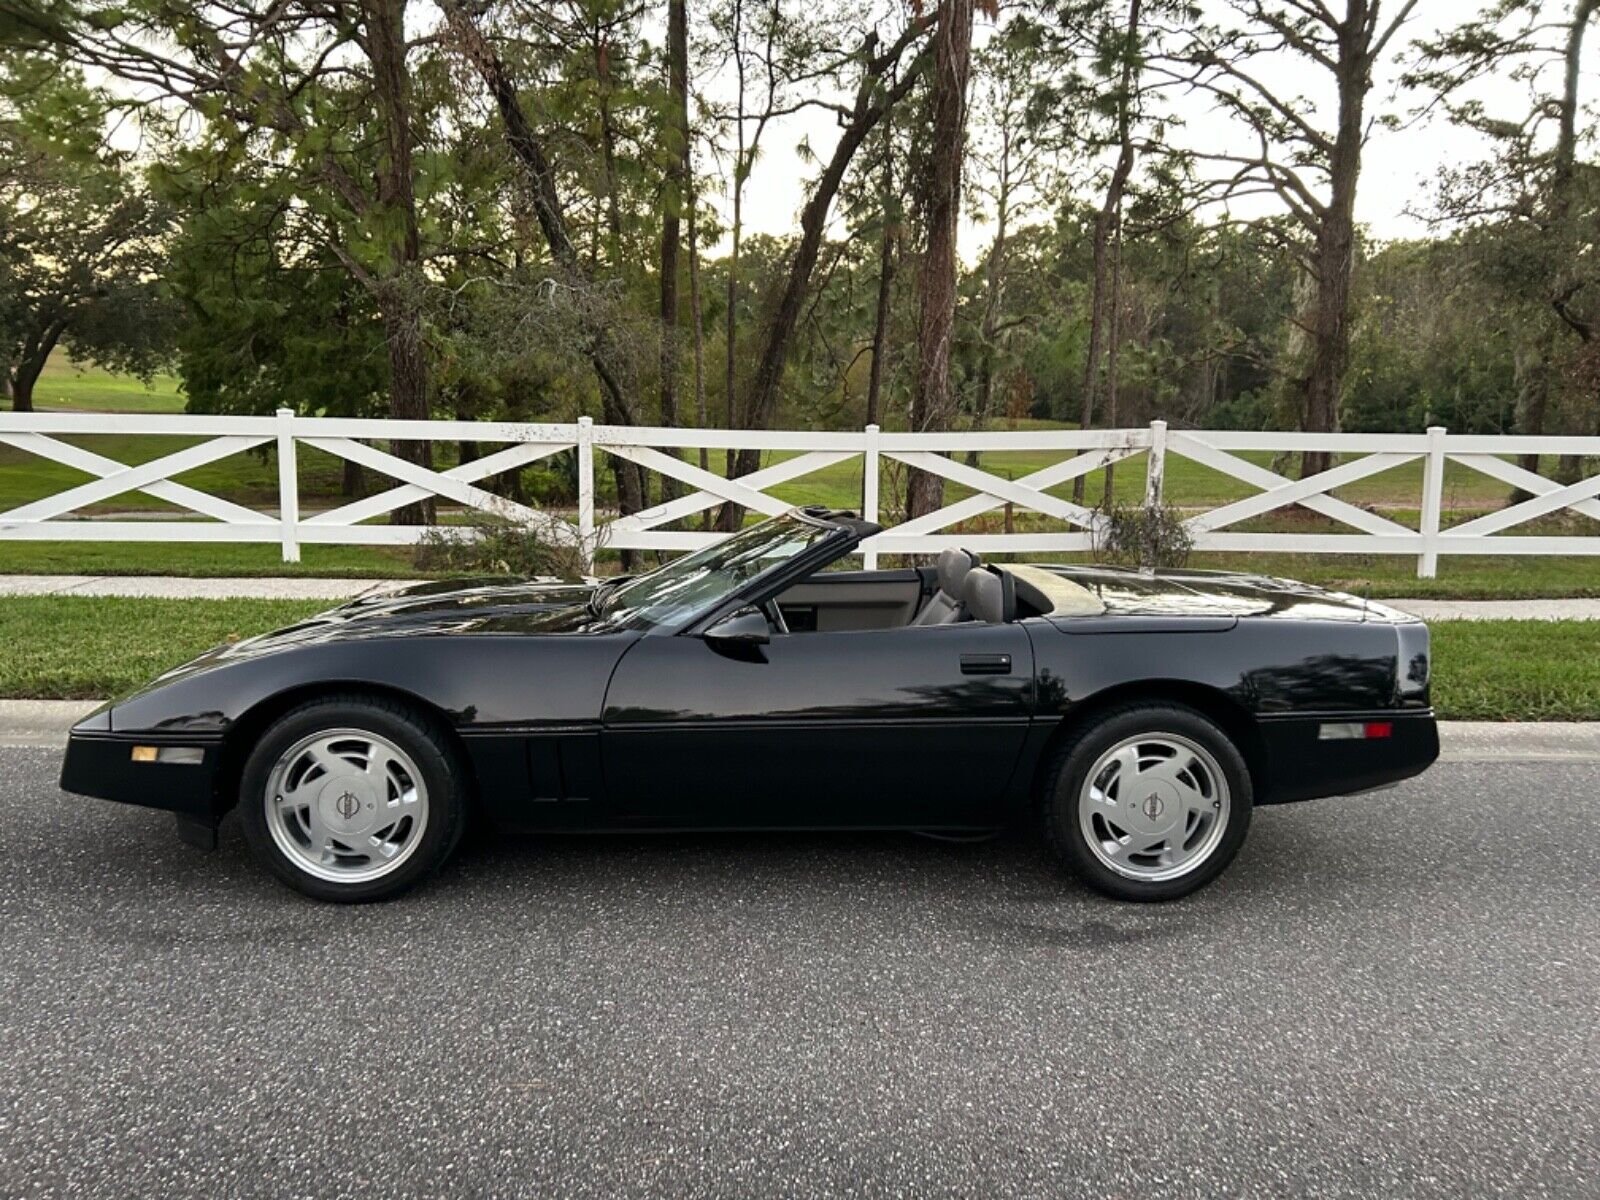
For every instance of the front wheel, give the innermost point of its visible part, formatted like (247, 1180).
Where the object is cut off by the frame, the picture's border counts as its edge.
(1150, 803)
(352, 798)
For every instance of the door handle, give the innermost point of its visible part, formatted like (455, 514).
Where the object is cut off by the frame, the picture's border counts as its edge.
(986, 664)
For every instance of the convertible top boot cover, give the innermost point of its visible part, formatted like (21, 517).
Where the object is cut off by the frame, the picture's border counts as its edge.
(945, 605)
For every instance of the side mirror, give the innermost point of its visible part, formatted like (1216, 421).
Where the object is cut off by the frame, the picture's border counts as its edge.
(746, 628)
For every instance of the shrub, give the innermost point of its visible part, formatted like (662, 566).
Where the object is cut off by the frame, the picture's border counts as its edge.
(1137, 536)
(485, 544)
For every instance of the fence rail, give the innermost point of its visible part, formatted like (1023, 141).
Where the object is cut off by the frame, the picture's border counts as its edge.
(1064, 525)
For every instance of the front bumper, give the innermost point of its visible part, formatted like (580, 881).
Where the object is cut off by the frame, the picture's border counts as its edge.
(101, 764)
(1301, 765)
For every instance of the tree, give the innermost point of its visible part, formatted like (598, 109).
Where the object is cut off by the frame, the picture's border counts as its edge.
(932, 403)
(1532, 197)
(80, 235)
(877, 91)
(677, 194)
(1312, 168)
(322, 96)
(1023, 121)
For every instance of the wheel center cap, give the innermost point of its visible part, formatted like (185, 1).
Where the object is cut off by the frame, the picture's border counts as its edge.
(1152, 807)
(347, 804)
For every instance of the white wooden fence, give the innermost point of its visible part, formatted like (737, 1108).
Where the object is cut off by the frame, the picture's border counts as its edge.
(1067, 526)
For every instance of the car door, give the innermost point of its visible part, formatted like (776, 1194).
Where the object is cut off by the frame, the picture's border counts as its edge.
(882, 727)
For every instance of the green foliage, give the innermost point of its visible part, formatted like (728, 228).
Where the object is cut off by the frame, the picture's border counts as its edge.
(1136, 536)
(80, 236)
(484, 544)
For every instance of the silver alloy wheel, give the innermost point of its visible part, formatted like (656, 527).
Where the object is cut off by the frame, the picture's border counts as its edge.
(346, 805)
(1154, 807)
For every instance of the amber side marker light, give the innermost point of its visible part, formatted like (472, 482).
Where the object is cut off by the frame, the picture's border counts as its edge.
(188, 755)
(1334, 731)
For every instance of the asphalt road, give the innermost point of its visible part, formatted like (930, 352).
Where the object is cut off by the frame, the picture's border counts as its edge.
(1387, 996)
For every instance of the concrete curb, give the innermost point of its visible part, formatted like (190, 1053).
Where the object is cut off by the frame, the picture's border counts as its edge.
(45, 723)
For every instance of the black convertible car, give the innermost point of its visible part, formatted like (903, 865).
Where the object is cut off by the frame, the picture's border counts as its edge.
(1136, 718)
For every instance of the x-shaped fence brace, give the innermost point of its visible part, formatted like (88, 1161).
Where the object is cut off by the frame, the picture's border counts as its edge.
(116, 478)
(419, 482)
(1279, 491)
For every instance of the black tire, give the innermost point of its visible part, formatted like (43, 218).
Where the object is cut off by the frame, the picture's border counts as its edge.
(1066, 775)
(410, 730)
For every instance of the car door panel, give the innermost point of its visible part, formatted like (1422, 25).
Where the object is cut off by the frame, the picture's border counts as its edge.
(861, 728)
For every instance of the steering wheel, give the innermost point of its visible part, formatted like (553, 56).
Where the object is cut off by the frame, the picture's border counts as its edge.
(774, 616)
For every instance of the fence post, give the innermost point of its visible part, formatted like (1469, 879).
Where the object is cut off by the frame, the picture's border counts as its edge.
(869, 492)
(1155, 467)
(1432, 502)
(288, 487)
(585, 450)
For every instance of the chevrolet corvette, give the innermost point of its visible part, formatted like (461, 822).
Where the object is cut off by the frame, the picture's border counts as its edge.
(1134, 719)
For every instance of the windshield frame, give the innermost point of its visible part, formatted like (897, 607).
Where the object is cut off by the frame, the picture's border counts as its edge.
(836, 541)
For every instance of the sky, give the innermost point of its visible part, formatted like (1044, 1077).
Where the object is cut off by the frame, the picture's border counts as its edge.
(1399, 167)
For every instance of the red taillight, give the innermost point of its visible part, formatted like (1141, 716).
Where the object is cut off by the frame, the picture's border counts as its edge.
(1341, 731)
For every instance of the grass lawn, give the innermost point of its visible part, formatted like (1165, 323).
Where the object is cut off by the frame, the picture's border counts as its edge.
(202, 560)
(82, 647)
(65, 385)
(1517, 670)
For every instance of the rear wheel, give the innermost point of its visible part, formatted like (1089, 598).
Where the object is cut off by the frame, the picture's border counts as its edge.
(1149, 803)
(352, 798)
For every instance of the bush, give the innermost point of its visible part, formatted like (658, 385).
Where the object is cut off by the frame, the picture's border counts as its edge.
(484, 544)
(1136, 536)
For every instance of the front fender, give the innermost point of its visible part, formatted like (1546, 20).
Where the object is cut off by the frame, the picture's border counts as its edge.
(480, 683)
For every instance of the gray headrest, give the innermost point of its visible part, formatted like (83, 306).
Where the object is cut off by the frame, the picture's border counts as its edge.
(984, 597)
(953, 568)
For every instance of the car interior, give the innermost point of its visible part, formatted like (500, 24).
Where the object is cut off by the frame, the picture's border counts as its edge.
(959, 587)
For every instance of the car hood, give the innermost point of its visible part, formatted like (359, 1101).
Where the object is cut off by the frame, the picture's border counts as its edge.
(444, 608)
(1125, 591)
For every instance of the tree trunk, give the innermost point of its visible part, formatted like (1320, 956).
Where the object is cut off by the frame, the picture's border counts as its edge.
(354, 483)
(880, 320)
(1114, 351)
(21, 389)
(385, 22)
(991, 309)
(1103, 223)
(1569, 469)
(676, 191)
(1328, 324)
(730, 405)
(30, 364)
(695, 315)
(932, 404)
(672, 205)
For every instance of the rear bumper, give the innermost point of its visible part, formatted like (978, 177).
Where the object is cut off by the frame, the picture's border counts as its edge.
(1301, 765)
(101, 764)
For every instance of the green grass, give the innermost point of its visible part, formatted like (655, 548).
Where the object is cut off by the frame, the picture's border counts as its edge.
(201, 560)
(1460, 578)
(1517, 670)
(85, 647)
(67, 386)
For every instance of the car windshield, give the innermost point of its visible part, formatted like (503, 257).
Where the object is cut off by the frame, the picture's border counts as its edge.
(698, 581)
